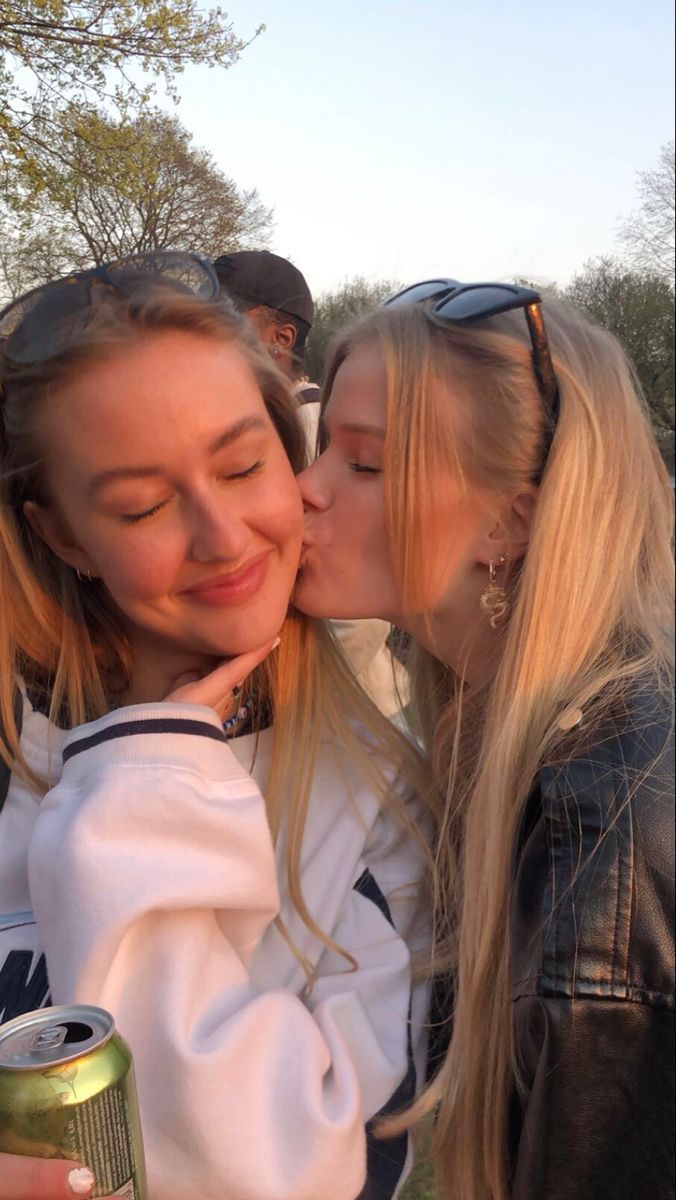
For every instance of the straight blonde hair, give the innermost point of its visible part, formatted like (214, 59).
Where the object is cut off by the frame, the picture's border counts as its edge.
(60, 635)
(591, 613)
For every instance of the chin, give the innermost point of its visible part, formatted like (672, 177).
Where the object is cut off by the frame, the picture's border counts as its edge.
(326, 606)
(305, 602)
(240, 639)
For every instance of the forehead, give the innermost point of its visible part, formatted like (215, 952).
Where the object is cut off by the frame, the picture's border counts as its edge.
(359, 390)
(169, 387)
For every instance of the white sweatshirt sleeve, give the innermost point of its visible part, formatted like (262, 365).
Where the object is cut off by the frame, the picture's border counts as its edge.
(153, 877)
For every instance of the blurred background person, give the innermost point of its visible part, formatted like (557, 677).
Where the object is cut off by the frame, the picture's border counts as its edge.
(277, 300)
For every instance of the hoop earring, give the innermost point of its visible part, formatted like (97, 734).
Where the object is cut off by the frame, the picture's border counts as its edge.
(82, 577)
(494, 600)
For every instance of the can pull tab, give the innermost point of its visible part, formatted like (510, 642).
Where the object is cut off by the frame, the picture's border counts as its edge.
(50, 1038)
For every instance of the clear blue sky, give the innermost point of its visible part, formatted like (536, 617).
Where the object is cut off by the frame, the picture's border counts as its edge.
(476, 138)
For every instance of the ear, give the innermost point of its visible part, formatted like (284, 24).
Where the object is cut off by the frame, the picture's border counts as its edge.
(519, 522)
(48, 524)
(510, 534)
(284, 336)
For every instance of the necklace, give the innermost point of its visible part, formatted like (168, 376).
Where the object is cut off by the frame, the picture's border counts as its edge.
(241, 715)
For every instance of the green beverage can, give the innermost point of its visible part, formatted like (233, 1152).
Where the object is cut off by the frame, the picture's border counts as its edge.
(67, 1091)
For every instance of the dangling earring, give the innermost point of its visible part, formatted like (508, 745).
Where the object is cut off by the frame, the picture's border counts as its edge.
(494, 600)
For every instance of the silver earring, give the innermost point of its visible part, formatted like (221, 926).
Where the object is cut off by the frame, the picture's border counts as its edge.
(82, 577)
(494, 601)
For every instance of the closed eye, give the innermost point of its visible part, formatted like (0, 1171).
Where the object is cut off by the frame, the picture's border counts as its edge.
(360, 469)
(252, 470)
(134, 518)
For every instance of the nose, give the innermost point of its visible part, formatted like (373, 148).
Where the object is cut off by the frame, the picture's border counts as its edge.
(314, 486)
(219, 532)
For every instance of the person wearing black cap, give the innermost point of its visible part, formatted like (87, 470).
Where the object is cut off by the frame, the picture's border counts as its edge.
(277, 300)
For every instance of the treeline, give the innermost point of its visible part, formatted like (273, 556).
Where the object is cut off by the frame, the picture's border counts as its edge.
(92, 170)
(634, 303)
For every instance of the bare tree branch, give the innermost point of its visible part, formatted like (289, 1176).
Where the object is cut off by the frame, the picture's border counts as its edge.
(648, 234)
(106, 188)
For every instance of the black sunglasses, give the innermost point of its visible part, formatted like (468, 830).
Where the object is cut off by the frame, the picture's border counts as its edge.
(45, 321)
(463, 303)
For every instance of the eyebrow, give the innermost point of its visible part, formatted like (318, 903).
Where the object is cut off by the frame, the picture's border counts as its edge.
(356, 427)
(232, 434)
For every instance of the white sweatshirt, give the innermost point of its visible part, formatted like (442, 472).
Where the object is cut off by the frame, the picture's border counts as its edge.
(154, 881)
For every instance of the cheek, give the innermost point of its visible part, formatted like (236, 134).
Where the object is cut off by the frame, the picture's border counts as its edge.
(138, 566)
(353, 558)
(134, 562)
(446, 549)
(359, 524)
(281, 513)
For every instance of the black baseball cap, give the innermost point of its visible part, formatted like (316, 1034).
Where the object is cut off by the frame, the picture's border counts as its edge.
(260, 277)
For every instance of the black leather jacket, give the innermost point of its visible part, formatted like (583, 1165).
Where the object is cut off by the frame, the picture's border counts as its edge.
(592, 939)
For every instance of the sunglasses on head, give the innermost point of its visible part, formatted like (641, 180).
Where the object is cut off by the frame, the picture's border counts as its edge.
(45, 321)
(463, 303)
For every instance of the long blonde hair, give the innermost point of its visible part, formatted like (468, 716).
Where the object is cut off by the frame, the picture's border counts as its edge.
(61, 637)
(592, 606)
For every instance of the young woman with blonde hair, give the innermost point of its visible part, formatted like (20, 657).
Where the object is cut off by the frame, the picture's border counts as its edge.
(489, 482)
(254, 946)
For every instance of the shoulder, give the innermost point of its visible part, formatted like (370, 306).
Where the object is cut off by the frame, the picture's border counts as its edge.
(41, 743)
(592, 905)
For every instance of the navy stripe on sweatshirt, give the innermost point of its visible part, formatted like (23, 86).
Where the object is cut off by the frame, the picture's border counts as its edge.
(151, 725)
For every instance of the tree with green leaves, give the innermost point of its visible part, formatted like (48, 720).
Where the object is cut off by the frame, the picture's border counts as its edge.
(637, 306)
(648, 234)
(111, 188)
(53, 52)
(335, 309)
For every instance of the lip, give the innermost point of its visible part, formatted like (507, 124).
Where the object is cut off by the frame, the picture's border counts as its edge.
(305, 549)
(232, 587)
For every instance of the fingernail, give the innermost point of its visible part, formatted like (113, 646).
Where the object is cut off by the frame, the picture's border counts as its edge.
(81, 1181)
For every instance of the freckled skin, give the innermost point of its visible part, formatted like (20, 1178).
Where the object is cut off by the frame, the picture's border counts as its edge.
(162, 403)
